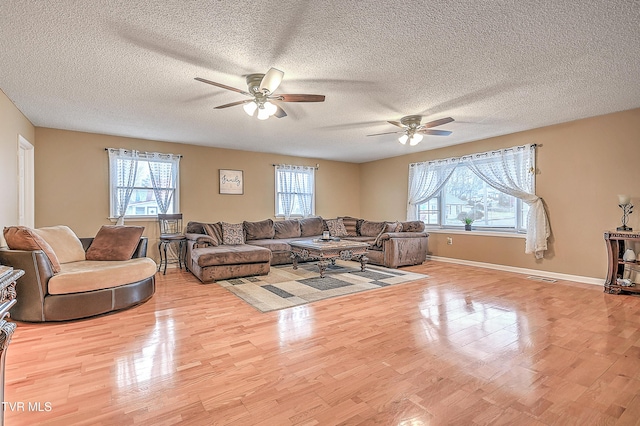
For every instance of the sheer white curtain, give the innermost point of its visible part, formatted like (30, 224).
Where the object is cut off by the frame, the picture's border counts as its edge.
(163, 170)
(512, 171)
(123, 168)
(425, 180)
(294, 190)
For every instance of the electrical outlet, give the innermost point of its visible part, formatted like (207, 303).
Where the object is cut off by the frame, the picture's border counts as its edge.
(449, 241)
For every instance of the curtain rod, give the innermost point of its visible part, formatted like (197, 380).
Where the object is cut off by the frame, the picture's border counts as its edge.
(146, 152)
(317, 166)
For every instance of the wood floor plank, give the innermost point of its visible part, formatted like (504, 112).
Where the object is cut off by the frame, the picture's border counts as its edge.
(464, 346)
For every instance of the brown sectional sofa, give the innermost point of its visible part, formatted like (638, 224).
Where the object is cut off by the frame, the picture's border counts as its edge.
(266, 243)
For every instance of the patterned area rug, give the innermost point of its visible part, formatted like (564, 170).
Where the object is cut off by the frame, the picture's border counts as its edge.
(284, 287)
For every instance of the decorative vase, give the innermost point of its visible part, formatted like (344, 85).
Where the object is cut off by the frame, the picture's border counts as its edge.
(629, 256)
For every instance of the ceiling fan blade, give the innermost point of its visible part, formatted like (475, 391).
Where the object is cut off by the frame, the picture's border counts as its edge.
(434, 132)
(224, 86)
(301, 98)
(385, 133)
(396, 123)
(280, 113)
(271, 80)
(435, 123)
(233, 104)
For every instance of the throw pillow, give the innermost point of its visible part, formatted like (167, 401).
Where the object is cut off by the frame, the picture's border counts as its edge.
(371, 229)
(64, 242)
(350, 224)
(311, 226)
(232, 233)
(114, 242)
(393, 227)
(214, 231)
(287, 228)
(23, 238)
(262, 230)
(336, 228)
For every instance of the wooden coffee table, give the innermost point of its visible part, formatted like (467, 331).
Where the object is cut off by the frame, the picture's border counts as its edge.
(328, 251)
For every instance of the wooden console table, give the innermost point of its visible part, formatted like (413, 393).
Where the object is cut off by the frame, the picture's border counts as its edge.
(616, 245)
(8, 277)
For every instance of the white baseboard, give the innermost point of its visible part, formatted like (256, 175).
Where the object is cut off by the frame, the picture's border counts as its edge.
(535, 272)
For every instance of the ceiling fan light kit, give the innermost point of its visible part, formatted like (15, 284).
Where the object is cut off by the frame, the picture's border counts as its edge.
(413, 131)
(260, 87)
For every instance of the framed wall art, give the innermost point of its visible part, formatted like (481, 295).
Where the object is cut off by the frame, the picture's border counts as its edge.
(231, 182)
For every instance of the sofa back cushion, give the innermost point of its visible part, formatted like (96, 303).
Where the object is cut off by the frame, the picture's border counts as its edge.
(64, 242)
(113, 242)
(413, 226)
(371, 229)
(23, 238)
(195, 228)
(351, 225)
(262, 230)
(232, 233)
(287, 228)
(311, 226)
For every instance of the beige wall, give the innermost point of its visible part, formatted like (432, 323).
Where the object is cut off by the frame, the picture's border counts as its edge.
(12, 124)
(582, 166)
(72, 182)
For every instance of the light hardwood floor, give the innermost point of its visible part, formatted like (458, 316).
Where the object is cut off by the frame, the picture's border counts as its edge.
(466, 346)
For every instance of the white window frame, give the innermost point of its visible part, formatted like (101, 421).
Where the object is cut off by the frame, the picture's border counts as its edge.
(280, 214)
(518, 229)
(113, 201)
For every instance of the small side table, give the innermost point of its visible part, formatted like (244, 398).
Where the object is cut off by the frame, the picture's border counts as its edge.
(8, 277)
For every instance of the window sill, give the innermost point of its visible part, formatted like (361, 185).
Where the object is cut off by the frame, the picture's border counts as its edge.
(476, 232)
(135, 219)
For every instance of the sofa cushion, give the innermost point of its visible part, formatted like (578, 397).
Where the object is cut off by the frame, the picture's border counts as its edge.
(64, 242)
(113, 242)
(273, 244)
(230, 255)
(287, 228)
(232, 233)
(371, 229)
(413, 226)
(311, 226)
(350, 224)
(23, 238)
(89, 275)
(336, 228)
(214, 231)
(259, 230)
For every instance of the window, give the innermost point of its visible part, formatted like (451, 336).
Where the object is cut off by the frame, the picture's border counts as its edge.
(443, 191)
(466, 195)
(142, 184)
(295, 191)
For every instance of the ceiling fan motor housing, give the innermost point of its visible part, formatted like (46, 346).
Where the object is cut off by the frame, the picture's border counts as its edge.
(411, 120)
(253, 83)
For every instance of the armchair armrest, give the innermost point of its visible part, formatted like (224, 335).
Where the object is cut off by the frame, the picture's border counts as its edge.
(32, 287)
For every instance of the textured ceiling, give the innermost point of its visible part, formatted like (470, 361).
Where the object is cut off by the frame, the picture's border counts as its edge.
(127, 68)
